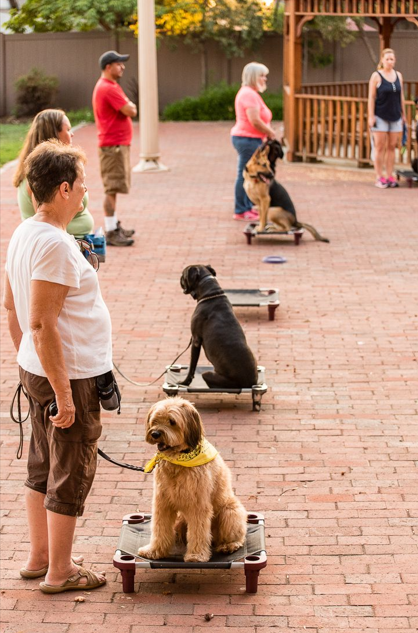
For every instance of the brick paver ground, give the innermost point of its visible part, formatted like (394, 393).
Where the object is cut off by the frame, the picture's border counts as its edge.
(331, 458)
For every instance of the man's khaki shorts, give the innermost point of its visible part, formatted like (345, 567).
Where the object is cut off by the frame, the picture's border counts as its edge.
(62, 462)
(115, 168)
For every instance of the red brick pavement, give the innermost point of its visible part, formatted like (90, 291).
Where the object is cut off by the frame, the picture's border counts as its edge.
(330, 459)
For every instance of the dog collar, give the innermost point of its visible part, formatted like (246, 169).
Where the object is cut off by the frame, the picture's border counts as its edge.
(222, 294)
(202, 454)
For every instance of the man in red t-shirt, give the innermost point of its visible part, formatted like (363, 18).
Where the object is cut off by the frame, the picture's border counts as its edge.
(113, 112)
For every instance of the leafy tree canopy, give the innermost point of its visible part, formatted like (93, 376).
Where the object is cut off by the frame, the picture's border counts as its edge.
(235, 24)
(81, 15)
(324, 29)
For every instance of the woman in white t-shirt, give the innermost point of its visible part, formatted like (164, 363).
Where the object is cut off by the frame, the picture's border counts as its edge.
(61, 329)
(252, 127)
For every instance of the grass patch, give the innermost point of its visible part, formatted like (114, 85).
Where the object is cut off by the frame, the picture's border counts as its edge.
(12, 134)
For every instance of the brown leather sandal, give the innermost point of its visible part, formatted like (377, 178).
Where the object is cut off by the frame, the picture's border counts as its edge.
(73, 582)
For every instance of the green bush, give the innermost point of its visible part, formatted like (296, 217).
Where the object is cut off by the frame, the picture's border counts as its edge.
(84, 115)
(274, 101)
(35, 92)
(216, 103)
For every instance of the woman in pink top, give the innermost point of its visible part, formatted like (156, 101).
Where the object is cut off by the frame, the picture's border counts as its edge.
(252, 127)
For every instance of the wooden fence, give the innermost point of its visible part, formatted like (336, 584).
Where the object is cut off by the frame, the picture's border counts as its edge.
(358, 89)
(390, 8)
(332, 126)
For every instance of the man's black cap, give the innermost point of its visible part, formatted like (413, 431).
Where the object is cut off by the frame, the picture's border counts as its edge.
(111, 56)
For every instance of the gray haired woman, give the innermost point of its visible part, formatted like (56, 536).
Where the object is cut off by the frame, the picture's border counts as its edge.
(252, 127)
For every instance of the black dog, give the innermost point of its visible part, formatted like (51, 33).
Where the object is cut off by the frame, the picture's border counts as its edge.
(215, 327)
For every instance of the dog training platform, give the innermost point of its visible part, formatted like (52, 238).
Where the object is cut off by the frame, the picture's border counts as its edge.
(250, 231)
(409, 175)
(255, 298)
(136, 532)
(175, 374)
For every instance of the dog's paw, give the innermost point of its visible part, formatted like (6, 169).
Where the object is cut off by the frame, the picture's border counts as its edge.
(148, 552)
(228, 548)
(197, 557)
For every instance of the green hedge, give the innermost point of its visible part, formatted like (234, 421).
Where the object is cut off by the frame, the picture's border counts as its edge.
(84, 115)
(216, 103)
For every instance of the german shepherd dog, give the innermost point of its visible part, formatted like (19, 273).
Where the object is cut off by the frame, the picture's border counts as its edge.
(274, 203)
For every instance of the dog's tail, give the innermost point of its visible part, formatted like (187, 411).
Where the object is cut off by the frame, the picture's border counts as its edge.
(312, 230)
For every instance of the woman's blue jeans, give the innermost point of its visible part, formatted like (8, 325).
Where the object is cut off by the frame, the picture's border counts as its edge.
(245, 147)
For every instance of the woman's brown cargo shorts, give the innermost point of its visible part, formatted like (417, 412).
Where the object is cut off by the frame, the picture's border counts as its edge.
(62, 462)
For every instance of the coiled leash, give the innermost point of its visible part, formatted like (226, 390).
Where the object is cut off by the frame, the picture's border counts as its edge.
(19, 420)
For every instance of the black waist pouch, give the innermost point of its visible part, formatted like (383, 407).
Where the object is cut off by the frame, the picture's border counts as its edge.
(109, 394)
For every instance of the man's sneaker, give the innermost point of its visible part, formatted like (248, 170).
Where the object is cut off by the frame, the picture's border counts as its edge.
(126, 232)
(381, 183)
(248, 216)
(392, 182)
(117, 238)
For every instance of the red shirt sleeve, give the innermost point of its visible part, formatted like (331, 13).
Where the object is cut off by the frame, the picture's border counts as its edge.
(115, 97)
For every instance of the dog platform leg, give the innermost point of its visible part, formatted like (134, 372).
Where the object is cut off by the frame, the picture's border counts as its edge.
(126, 565)
(256, 400)
(252, 566)
(272, 310)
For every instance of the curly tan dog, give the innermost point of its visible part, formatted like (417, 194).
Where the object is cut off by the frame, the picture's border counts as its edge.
(192, 487)
(274, 203)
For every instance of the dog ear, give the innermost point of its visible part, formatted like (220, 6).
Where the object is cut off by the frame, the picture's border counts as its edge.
(193, 429)
(149, 414)
(279, 149)
(189, 278)
(211, 270)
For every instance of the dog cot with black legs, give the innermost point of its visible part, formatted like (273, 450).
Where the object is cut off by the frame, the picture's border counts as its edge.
(250, 232)
(175, 374)
(136, 532)
(255, 298)
(409, 175)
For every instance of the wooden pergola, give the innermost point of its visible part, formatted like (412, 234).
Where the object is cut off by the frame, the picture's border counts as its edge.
(330, 120)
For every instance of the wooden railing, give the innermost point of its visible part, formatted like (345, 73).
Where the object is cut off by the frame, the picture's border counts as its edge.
(379, 8)
(337, 127)
(358, 89)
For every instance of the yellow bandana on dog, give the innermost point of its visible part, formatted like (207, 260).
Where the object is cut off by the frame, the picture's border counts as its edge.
(202, 454)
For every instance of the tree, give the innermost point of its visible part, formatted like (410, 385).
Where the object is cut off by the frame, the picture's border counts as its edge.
(84, 15)
(236, 25)
(324, 29)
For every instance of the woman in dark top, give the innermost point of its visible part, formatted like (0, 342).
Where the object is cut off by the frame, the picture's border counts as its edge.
(386, 116)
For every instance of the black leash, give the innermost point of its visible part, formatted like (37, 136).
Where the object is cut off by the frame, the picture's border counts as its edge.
(138, 384)
(16, 401)
(121, 464)
(19, 420)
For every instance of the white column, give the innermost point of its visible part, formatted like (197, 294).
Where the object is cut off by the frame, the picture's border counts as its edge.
(148, 90)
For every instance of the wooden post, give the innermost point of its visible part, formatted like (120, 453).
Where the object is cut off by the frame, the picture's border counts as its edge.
(385, 33)
(292, 76)
(148, 90)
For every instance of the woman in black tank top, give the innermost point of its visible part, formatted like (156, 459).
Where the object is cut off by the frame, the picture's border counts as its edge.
(386, 109)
